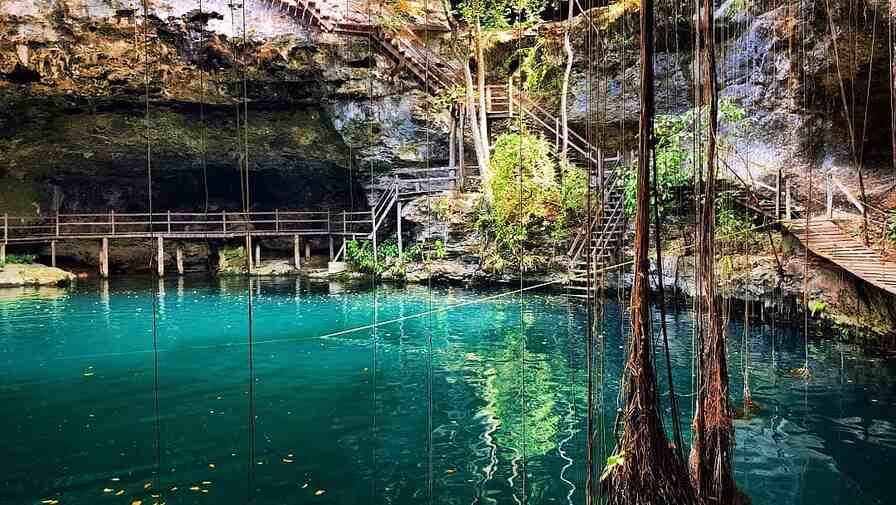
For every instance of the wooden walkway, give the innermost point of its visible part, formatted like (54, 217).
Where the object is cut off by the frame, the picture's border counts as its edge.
(827, 239)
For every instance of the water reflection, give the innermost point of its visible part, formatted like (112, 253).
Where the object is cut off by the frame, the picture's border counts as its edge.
(344, 416)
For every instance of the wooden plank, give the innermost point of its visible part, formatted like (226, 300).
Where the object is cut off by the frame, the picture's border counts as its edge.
(827, 240)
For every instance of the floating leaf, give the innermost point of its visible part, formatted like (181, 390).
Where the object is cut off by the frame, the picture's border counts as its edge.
(147, 485)
(119, 492)
(211, 465)
(107, 489)
(287, 460)
(450, 471)
(137, 502)
(319, 492)
(206, 482)
(195, 488)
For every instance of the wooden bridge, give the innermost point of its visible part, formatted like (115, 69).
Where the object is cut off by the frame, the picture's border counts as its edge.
(302, 225)
(825, 235)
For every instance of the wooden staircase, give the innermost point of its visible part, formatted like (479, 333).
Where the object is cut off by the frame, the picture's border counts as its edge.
(597, 240)
(332, 16)
(597, 243)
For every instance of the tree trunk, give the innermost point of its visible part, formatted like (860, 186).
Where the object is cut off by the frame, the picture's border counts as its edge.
(480, 78)
(651, 472)
(713, 435)
(481, 154)
(564, 93)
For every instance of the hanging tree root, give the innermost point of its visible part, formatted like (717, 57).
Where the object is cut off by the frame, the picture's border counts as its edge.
(650, 470)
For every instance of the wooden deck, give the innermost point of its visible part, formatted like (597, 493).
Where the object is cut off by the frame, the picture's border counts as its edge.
(828, 240)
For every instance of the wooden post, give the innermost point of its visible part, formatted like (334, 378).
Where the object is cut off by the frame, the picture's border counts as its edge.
(452, 139)
(307, 249)
(179, 259)
(332, 252)
(787, 200)
(169, 221)
(112, 221)
(460, 148)
(277, 220)
(57, 223)
(53, 253)
(104, 258)
(510, 95)
(5, 230)
(777, 194)
(373, 234)
(224, 221)
(249, 253)
(556, 134)
(3, 253)
(398, 221)
(160, 256)
(829, 187)
(296, 255)
(257, 255)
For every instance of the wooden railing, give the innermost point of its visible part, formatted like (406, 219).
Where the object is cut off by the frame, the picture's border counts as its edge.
(172, 224)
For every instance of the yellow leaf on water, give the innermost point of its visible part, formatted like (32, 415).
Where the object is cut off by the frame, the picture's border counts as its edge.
(137, 502)
(50, 502)
(120, 492)
(319, 492)
(206, 482)
(147, 485)
(115, 479)
(450, 471)
(174, 488)
(211, 465)
(194, 488)
(205, 490)
(287, 460)
(107, 489)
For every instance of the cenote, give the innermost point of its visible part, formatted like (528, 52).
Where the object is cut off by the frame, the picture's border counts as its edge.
(343, 411)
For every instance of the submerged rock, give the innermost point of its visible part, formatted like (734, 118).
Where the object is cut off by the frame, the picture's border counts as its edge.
(33, 274)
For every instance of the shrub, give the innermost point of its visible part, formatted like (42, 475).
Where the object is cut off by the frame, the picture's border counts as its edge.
(19, 259)
(528, 205)
(673, 136)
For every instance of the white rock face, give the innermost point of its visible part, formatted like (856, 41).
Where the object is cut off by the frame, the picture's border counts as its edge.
(33, 275)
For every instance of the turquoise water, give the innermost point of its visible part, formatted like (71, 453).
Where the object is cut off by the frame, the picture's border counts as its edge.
(343, 417)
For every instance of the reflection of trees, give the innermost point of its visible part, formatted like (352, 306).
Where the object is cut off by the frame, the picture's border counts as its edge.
(521, 391)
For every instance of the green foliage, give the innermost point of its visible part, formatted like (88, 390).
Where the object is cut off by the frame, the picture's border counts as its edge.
(359, 255)
(817, 307)
(446, 97)
(735, 228)
(19, 259)
(501, 14)
(735, 7)
(613, 461)
(528, 203)
(673, 135)
(542, 66)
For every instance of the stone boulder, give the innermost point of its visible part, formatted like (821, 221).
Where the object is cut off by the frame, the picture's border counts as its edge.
(33, 274)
